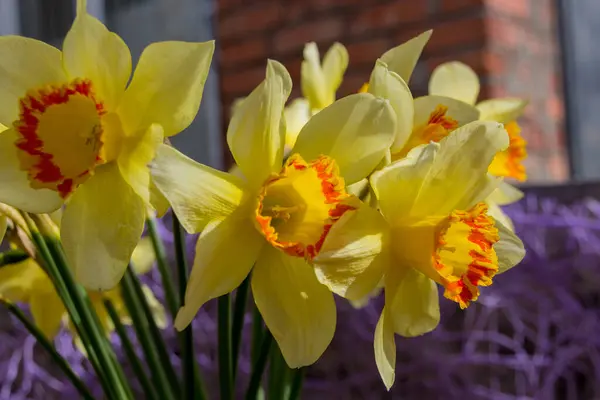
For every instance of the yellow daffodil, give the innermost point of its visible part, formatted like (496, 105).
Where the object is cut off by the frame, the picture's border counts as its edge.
(79, 133)
(277, 219)
(436, 230)
(3, 226)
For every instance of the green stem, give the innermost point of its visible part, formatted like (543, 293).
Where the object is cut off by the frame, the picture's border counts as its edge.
(47, 345)
(224, 328)
(258, 367)
(296, 388)
(239, 311)
(257, 333)
(163, 267)
(13, 257)
(277, 374)
(192, 384)
(136, 364)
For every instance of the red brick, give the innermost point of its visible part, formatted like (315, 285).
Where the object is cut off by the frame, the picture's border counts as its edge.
(504, 33)
(473, 58)
(456, 33)
(243, 52)
(249, 20)
(292, 39)
(511, 8)
(456, 5)
(242, 82)
(367, 51)
(353, 82)
(388, 15)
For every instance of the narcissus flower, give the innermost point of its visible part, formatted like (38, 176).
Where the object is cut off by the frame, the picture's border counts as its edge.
(436, 230)
(278, 216)
(78, 133)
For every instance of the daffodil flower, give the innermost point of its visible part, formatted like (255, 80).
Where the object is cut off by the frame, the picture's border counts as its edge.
(437, 230)
(3, 226)
(78, 133)
(277, 218)
(458, 80)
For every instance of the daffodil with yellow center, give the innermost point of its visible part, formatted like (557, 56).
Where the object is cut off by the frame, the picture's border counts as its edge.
(274, 218)
(436, 229)
(79, 134)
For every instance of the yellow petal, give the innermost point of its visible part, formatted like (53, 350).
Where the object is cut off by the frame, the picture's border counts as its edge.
(19, 281)
(402, 59)
(502, 110)
(459, 111)
(135, 156)
(495, 211)
(25, 64)
(256, 133)
(16, 190)
(297, 115)
(197, 193)
(389, 85)
(412, 301)
(297, 309)
(319, 83)
(47, 311)
(167, 86)
(143, 256)
(458, 177)
(385, 349)
(505, 194)
(3, 226)
(355, 131)
(335, 64)
(353, 258)
(456, 80)
(509, 248)
(397, 185)
(157, 309)
(91, 51)
(225, 253)
(101, 226)
(158, 201)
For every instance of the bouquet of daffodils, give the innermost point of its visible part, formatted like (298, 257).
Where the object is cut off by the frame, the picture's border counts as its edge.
(375, 191)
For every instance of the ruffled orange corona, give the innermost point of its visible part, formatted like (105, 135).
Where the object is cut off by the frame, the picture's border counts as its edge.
(509, 163)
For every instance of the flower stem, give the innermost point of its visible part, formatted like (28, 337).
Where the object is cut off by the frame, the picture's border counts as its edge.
(136, 364)
(47, 345)
(239, 312)
(163, 267)
(192, 384)
(277, 374)
(224, 327)
(296, 388)
(13, 257)
(258, 366)
(257, 333)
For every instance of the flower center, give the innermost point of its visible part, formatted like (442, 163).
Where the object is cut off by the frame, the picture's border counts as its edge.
(438, 126)
(61, 135)
(297, 208)
(509, 163)
(464, 256)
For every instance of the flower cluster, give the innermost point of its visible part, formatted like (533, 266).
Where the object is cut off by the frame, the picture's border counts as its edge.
(375, 190)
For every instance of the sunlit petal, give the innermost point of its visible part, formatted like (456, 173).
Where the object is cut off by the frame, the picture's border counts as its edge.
(385, 349)
(509, 248)
(402, 59)
(47, 310)
(503, 110)
(455, 79)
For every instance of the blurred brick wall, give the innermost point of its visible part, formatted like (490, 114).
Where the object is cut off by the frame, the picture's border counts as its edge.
(509, 43)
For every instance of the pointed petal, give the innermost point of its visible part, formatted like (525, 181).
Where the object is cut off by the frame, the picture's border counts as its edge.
(314, 87)
(101, 226)
(16, 190)
(47, 311)
(158, 311)
(157, 200)
(353, 258)
(197, 193)
(389, 85)
(91, 51)
(25, 64)
(256, 133)
(402, 59)
(167, 86)
(225, 253)
(355, 131)
(413, 303)
(135, 156)
(462, 112)
(495, 211)
(385, 349)
(456, 80)
(335, 64)
(509, 248)
(502, 110)
(297, 115)
(458, 176)
(143, 256)
(506, 194)
(298, 310)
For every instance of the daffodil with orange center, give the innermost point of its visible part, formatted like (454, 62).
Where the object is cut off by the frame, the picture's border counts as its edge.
(437, 230)
(275, 216)
(81, 133)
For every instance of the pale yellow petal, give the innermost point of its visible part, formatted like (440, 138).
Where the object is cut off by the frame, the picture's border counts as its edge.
(495, 211)
(3, 226)
(91, 51)
(158, 201)
(509, 248)
(143, 256)
(167, 86)
(385, 349)
(456, 80)
(256, 133)
(502, 110)
(196, 192)
(134, 159)
(389, 85)
(402, 59)
(314, 87)
(225, 253)
(101, 226)
(356, 131)
(47, 311)
(18, 281)
(335, 64)
(506, 194)
(458, 176)
(459, 111)
(297, 309)
(354, 255)
(297, 114)
(157, 309)
(16, 190)
(25, 64)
